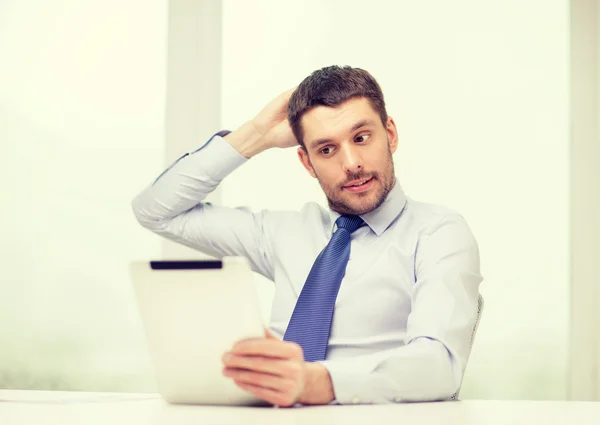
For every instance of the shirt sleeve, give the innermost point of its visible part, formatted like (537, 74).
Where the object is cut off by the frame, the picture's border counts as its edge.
(172, 206)
(444, 310)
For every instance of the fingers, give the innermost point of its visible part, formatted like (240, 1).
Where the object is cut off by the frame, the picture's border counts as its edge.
(288, 92)
(271, 396)
(273, 348)
(269, 334)
(269, 368)
(279, 382)
(264, 380)
(263, 364)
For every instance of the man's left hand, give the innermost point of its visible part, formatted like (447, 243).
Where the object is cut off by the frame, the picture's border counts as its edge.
(276, 372)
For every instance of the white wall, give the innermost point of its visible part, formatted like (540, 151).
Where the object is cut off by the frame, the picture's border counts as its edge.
(479, 91)
(584, 367)
(81, 131)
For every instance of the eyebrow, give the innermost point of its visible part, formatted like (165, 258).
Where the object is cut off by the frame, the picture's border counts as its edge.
(363, 123)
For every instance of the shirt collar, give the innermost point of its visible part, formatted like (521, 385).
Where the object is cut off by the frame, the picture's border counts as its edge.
(380, 218)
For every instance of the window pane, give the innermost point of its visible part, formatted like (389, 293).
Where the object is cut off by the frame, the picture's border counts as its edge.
(81, 131)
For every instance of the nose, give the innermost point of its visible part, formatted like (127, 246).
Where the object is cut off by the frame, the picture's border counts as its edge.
(351, 160)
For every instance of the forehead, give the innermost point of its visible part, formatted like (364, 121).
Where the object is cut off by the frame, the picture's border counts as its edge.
(323, 121)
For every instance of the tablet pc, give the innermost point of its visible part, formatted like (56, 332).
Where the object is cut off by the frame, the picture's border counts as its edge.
(192, 312)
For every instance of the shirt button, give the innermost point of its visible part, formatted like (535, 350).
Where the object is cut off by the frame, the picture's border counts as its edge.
(356, 400)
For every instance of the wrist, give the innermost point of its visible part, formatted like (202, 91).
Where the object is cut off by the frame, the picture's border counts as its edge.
(247, 140)
(318, 388)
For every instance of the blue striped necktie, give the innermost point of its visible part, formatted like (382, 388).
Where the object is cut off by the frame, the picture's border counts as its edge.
(310, 324)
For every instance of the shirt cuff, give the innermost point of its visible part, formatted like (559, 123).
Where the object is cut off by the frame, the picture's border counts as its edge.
(223, 158)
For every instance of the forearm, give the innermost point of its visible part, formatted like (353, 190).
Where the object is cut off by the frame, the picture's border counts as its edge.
(172, 207)
(186, 183)
(421, 371)
(247, 140)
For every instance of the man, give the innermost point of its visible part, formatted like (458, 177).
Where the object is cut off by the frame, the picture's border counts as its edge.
(376, 297)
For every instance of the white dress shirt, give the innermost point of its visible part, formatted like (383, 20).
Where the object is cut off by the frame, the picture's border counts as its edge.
(406, 307)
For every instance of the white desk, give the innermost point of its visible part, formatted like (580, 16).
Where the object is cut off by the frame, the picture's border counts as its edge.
(70, 408)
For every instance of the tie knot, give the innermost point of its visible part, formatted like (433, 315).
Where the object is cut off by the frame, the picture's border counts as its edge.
(349, 222)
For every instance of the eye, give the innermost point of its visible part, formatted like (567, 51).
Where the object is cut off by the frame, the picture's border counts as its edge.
(362, 138)
(327, 150)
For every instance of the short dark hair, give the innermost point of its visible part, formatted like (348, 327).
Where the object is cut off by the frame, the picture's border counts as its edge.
(331, 86)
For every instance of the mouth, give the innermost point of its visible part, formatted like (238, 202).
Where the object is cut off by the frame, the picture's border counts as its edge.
(357, 186)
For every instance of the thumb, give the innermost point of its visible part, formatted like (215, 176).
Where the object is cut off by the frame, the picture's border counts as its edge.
(269, 334)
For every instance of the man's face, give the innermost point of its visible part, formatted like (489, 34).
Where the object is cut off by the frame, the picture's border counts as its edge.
(349, 151)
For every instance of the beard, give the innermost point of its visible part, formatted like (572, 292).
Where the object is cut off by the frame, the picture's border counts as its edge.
(361, 203)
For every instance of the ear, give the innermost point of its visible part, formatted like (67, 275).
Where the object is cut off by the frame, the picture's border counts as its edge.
(305, 160)
(392, 132)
